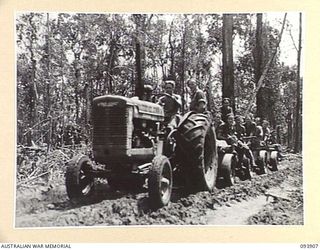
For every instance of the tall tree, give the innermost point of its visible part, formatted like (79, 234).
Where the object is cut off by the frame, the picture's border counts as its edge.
(298, 143)
(262, 80)
(227, 58)
(258, 62)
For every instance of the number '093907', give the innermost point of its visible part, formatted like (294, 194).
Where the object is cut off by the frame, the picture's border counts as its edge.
(309, 246)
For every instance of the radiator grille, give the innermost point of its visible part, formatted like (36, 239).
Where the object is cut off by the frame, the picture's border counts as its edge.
(110, 128)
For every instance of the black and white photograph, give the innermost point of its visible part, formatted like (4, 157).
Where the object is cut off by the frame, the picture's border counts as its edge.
(153, 119)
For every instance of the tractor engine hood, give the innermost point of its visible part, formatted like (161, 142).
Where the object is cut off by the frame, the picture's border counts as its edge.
(141, 109)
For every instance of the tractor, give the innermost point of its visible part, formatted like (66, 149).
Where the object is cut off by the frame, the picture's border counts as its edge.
(136, 148)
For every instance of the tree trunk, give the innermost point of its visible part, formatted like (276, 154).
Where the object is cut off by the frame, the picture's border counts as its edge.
(227, 59)
(139, 83)
(258, 62)
(139, 20)
(183, 68)
(76, 90)
(289, 129)
(297, 144)
(33, 92)
(171, 72)
(48, 82)
(266, 68)
(112, 53)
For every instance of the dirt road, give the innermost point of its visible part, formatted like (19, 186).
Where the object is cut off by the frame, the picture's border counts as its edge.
(275, 198)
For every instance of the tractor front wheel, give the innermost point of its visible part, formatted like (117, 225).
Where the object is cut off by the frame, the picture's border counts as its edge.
(160, 181)
(79, 183)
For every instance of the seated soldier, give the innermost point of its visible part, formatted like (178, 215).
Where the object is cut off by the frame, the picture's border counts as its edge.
(227, 131)
(273, 140)
(258, 133)
(265, 131)
(198, 98)
(241, 132)
(250, 125)
(225, 109)
(240, 129)
(171, 103)
(217, 121)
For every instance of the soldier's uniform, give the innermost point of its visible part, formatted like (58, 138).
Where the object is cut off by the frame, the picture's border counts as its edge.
(240, 131)
(225, 109)
(171, 105)
(225, 131)
(196, 98)
(250, 128)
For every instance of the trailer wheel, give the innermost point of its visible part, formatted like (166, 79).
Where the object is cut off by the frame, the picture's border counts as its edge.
(262, 162)
(79, 183)
(160, 181)
(246, 169)
(227, 168)
(274, 161)
(197, 141)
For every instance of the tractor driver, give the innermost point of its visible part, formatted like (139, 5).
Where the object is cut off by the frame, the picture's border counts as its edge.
(147, 93)
(171, 102)
(198, 98)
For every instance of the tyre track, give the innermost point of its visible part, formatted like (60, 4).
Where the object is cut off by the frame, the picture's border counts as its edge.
(51, 208)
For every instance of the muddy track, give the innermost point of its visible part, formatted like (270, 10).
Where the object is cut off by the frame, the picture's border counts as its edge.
(49, 206)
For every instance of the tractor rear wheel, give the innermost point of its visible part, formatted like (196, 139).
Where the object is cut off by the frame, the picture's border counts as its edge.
(197, 143)
(160, 181)
(79, 183)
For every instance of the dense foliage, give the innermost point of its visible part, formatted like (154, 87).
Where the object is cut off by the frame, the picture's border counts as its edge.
(65, 60)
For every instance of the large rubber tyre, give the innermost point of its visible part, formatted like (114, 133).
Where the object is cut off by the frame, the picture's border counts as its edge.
(197, 140)
(261, 162)
(273, 162)
(227, 169)
(160, 182)
(79, 184)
